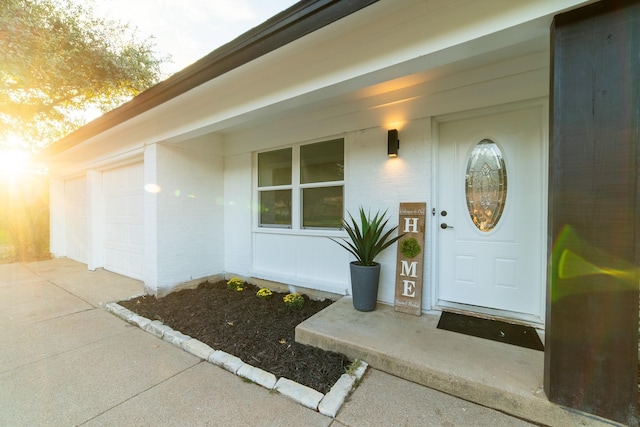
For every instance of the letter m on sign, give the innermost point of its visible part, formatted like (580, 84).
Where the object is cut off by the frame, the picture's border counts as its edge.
(409, 269)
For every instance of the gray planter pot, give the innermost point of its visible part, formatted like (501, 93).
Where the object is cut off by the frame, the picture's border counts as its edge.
(364, 285)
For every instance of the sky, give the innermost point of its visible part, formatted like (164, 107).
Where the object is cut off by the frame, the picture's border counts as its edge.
(187, 30)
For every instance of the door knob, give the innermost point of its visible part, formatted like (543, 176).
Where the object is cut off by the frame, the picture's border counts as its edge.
(444, 226)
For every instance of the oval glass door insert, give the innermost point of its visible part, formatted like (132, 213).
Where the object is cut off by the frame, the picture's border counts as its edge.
(486, 185)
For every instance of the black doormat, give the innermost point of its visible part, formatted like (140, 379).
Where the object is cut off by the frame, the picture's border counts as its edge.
(522, 336)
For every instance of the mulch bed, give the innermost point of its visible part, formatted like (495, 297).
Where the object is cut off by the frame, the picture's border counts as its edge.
(258, 331)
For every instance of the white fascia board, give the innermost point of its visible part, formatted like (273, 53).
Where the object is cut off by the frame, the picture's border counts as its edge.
(380, 42)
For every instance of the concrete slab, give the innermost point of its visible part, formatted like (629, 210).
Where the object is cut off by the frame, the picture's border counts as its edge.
(36, 341)
(64, 362)
(34, 301)
(55, 267)
(385, 400)
(95, 287)
(11, 274)
(500, 376)
(76, 386)
(208, 395)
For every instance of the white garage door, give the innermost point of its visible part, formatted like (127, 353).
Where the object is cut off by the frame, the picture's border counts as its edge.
(75, 201)
(124, 220)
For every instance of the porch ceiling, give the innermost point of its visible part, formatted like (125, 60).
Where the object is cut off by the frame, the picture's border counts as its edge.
(372, 100)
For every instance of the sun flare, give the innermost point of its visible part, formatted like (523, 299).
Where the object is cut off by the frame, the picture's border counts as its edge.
(13, 161)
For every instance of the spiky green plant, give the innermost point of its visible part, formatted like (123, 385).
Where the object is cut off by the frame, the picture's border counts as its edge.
(367, 238)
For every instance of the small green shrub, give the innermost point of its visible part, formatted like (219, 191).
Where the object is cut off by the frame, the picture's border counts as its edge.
(235, 284)
(264, 293)
(293, 300)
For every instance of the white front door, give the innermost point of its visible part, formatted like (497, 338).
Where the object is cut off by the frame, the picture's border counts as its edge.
(491, 214)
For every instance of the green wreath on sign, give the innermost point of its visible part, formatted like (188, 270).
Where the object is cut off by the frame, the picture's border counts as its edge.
(410, 248)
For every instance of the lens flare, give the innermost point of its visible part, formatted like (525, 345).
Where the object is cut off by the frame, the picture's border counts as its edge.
(13, 161)
(152, 188)
(572, 265)
(574, 258)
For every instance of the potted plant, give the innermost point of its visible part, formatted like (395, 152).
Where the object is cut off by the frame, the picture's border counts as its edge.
(368, 239)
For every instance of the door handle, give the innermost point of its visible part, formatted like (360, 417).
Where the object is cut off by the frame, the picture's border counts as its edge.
(444, 226)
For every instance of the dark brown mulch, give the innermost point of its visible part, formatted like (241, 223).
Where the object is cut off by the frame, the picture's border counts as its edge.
(258, 331)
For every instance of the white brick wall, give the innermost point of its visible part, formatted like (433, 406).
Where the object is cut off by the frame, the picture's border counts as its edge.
(189, 223)
(75, 201)
(58, 241)
(238, 214)
(310, 260)
(380, 183)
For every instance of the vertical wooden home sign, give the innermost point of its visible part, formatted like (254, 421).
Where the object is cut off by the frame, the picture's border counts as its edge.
(410, 264)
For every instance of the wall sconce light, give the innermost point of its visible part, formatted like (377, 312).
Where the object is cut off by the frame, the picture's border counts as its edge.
(393, 143)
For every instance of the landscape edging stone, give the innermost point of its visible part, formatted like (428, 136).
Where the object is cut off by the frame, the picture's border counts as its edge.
(327, 404)
(258, 376)
(302, 394)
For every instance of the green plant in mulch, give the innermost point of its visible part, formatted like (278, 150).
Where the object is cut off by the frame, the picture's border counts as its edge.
(236, 284)
(353, 367)
(264, 293)
(293, 300)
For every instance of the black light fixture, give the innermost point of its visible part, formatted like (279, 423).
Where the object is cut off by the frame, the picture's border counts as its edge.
(393, 143)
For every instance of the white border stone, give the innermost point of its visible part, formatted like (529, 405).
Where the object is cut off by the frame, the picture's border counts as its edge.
(302, 394)
(139, 321)
(257, 375)
(197, 348)
(334, 399)
(157, 328)
(175, 337)
(225, 360)
(327, 405)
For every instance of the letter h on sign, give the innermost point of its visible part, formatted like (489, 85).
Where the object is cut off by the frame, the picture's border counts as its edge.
(411, 225)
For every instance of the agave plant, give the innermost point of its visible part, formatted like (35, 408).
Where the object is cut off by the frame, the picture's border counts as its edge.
(367, 239)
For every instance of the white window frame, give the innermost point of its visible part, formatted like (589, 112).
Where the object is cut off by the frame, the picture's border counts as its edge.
(296, 192)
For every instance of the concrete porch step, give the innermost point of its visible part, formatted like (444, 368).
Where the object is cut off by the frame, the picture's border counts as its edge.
(496, 375)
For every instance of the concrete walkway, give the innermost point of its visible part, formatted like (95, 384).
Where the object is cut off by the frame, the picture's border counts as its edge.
(64, 361)
(492, 374)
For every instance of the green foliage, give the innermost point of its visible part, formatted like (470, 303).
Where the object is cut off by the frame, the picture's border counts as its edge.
(5, 238)
(24, 218)
(57, 60)
(410, 247)
(293, 300)
(236, 284)
(264, 293)
(367, 239)
(353, 367)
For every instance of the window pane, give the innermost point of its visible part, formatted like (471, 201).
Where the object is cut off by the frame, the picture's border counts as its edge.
(274, 168)
(322, 207)
(275, 208)
(486, 185)
(322, 162)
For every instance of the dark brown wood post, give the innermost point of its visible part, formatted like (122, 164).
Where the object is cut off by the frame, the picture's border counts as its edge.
(591, 353)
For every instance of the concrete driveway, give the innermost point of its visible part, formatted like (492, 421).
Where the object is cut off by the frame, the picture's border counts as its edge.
(65, 361)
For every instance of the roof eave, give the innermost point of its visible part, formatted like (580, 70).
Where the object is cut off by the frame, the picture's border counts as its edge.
(291, 24)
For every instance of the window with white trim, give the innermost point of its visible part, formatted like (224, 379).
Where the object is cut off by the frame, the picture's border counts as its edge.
(302, 187)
